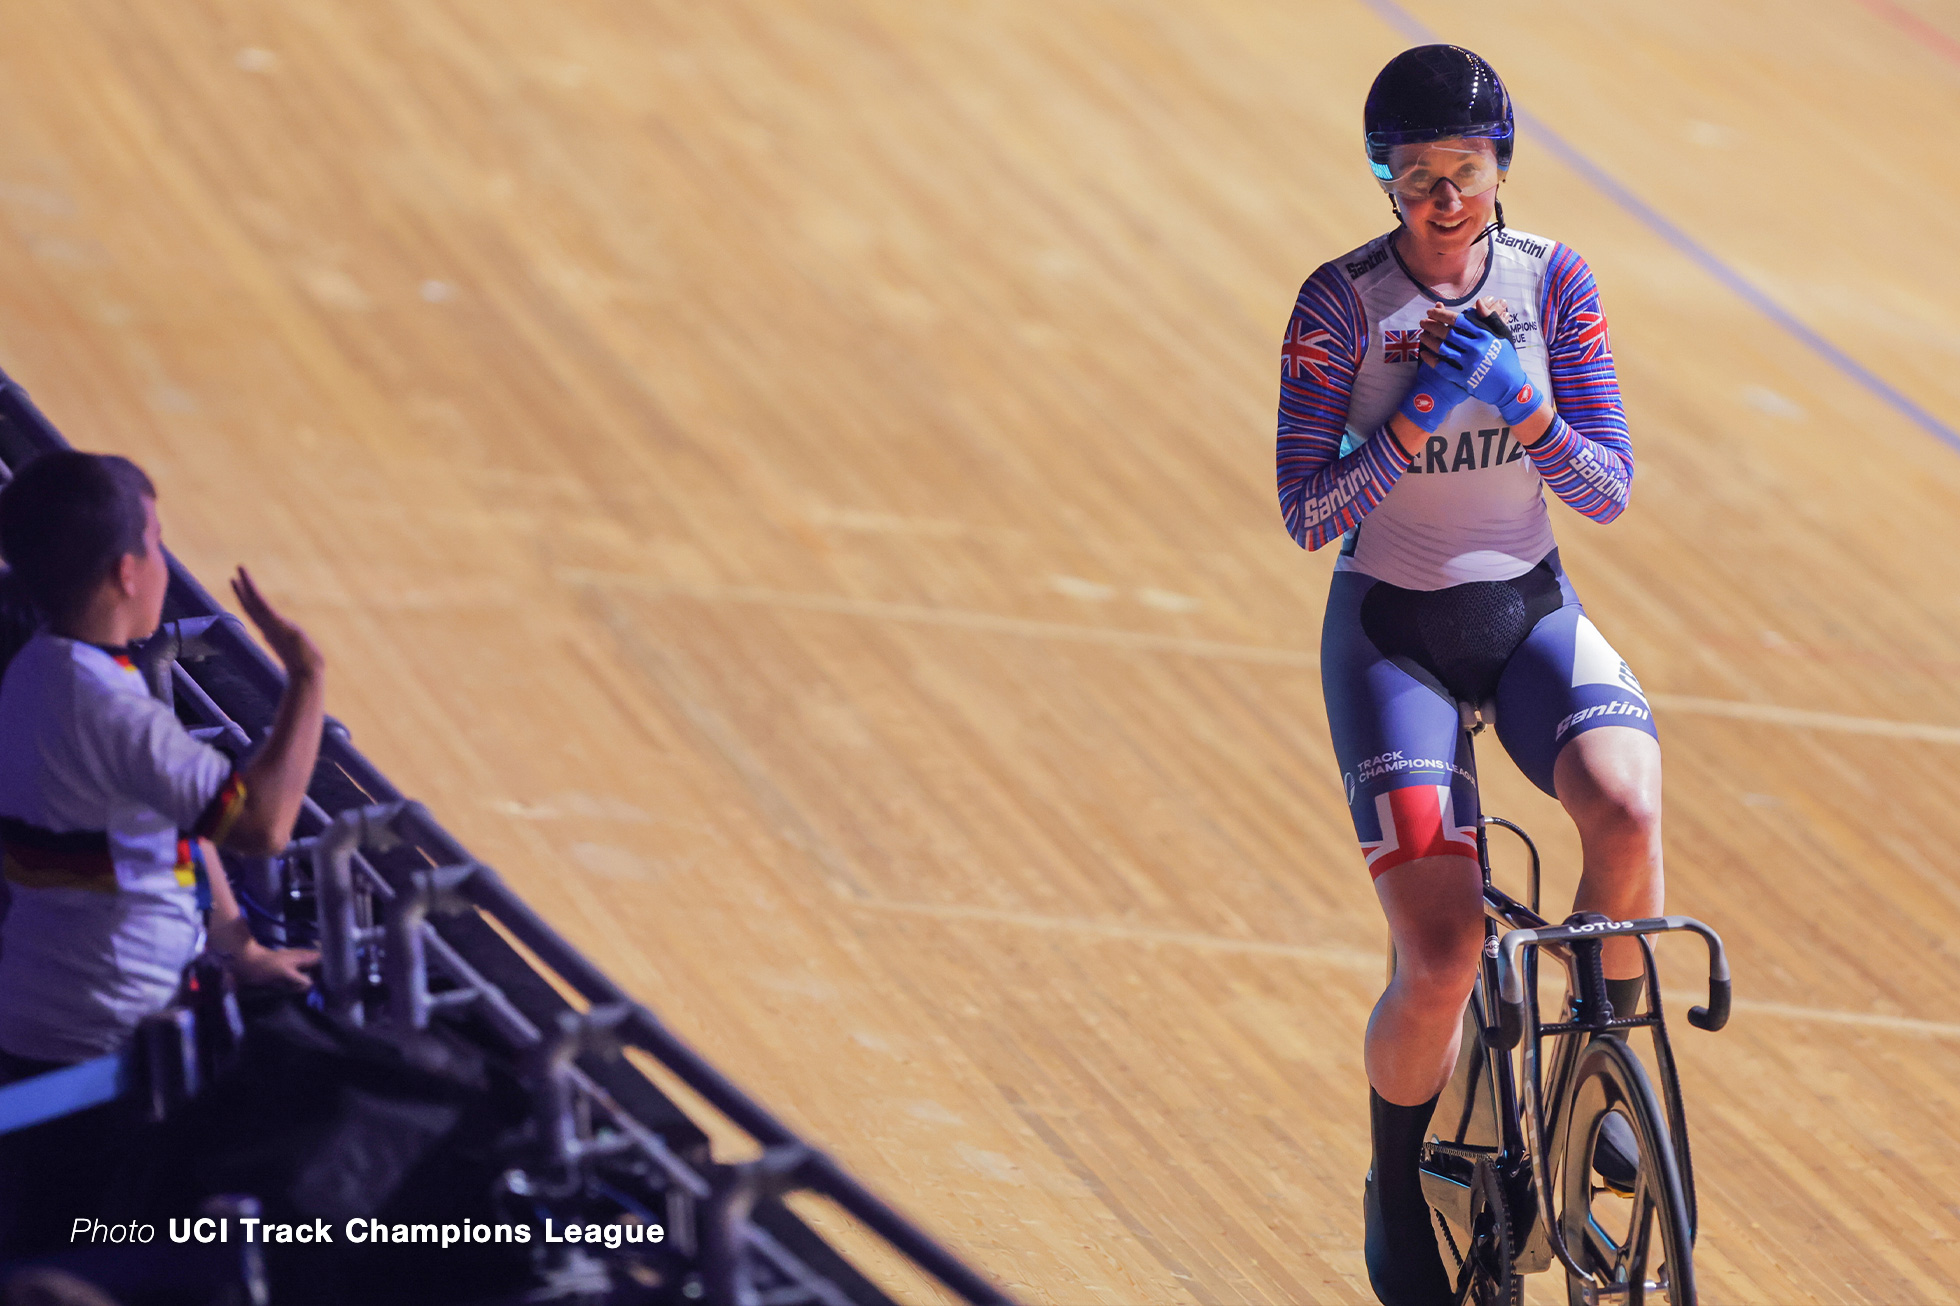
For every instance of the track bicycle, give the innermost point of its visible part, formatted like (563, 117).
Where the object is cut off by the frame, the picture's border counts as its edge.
(1509, 1168)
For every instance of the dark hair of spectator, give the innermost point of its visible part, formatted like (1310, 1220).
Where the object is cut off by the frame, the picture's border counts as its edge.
(66, 519)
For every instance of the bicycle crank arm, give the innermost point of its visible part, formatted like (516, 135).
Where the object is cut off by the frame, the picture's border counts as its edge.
(1510, 975)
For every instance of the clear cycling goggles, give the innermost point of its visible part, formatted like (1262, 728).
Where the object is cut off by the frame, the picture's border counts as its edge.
(1412, 171)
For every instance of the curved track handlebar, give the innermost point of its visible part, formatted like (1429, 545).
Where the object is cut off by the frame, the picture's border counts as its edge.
(1510, 975)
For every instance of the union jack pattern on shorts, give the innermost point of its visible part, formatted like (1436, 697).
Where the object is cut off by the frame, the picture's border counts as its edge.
(1416, 821)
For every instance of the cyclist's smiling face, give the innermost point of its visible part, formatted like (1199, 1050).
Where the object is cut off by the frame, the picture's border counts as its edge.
(1447, 190)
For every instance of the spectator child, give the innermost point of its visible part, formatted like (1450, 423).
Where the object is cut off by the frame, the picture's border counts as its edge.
(108, 806)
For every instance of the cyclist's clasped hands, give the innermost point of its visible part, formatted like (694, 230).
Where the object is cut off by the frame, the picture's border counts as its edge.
(1486, 366)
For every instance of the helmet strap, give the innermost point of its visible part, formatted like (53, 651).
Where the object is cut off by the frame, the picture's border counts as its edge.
(1496, 226)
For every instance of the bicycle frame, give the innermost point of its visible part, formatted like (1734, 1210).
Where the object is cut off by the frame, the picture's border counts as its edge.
(1518, 1023)
(1478, 1116)
(1495, 1107)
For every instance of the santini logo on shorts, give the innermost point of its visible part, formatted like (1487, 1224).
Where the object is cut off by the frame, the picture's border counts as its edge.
(1585, 714)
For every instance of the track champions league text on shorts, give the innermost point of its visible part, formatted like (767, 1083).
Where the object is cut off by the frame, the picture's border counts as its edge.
(359, 1230)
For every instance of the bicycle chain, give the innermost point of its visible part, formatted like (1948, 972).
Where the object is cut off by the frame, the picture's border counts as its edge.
(1448, 1237)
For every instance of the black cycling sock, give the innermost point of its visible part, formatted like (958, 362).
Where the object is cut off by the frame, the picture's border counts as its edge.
(1625, 996)
(1398, 1133)
(1616, 1156)
(1405, 1268)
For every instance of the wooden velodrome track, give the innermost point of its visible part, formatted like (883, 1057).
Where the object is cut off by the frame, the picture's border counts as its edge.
(791, 483)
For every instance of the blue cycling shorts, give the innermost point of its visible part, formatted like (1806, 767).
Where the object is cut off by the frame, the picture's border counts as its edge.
(1394, 663)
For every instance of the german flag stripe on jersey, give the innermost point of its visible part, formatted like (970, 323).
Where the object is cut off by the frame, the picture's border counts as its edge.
(221, 813)
(35, 858)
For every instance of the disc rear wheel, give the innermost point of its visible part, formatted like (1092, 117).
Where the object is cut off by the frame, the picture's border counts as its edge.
(1641, 1244)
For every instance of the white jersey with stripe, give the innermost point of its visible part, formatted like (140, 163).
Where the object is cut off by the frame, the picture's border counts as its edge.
(100, 790)
(1470, 506)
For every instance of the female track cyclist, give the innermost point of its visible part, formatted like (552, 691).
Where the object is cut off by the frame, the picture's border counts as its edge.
(1421, 441)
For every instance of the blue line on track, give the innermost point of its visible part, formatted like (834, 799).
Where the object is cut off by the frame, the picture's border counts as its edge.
(1412, 27)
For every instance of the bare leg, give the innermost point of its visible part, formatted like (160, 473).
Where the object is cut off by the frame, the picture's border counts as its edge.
(1435, 915)
(1609, 780)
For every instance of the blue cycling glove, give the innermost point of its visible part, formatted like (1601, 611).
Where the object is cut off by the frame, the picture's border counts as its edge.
(1435, 393)
(1489, 368)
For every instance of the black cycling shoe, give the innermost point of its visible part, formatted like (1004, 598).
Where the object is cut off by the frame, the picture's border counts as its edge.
(1616, 1155)
(1405, 1268)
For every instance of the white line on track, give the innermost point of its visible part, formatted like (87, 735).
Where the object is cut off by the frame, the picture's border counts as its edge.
(1134, 933)
(1804, 719)
(922, 614)
(1349, 957)
(1869, 1019)
(963, 618)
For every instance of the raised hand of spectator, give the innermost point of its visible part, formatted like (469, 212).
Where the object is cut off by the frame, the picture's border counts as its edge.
(276, 777)
(288, 642)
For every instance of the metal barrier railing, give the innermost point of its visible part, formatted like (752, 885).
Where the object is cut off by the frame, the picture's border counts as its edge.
(363, 848)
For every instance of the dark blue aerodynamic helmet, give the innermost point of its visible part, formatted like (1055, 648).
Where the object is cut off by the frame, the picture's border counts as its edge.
(1431, 93)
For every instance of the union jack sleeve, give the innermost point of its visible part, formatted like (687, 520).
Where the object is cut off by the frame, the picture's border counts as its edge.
(1586, 456)
(1321, 494)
